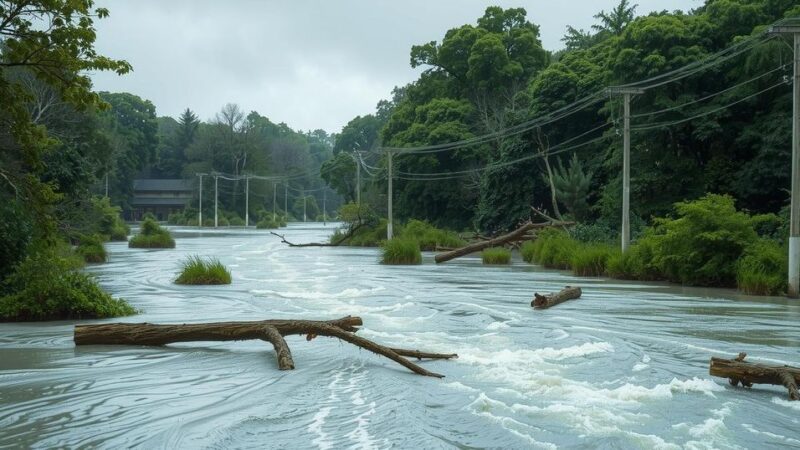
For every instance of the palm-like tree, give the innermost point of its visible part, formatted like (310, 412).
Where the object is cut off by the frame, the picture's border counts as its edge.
(616, 20)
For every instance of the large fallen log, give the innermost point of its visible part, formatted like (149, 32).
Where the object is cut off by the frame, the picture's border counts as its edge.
(545, 301)
(516, 235)
(272, 331)
(738, 371)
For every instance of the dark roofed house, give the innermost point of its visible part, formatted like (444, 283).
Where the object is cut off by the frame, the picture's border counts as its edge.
(160, 197)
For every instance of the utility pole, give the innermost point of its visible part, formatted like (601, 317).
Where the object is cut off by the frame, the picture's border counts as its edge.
(794, 215)
(304, 206)
(358, 181)
(216, 199)
(286, 199)
(274, 200)
(200, 203)
(246, 201)
(106, 184)
(324, 207)
(626, 162)
(389, 232)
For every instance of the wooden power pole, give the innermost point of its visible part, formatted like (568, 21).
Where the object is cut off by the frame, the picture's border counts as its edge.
(794, 215)
(389, 232)
(626, 93)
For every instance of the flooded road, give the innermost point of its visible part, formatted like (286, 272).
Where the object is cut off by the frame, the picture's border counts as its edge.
(626, 366)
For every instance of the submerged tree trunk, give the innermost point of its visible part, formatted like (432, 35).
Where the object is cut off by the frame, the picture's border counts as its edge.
(519, 234)
(546, 301)
(272, 331)
(738, 371)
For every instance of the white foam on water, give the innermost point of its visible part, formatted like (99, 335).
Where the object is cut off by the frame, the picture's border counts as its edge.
(638, 367)
(460, 387)
(360, 434)
(777, 437)
(322, 440)
(795, 405)
(316, 295)
(408, 297)
(497, 326)
(508, 357)
(711, 433)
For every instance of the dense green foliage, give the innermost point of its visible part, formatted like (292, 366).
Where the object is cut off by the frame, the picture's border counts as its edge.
(53, 151)
(762, 268)
(152, 235)
(401, 251)
(46, 286)
(496, 256)
(91, 249)
(707, 243)
(196, 270)
(487, 77)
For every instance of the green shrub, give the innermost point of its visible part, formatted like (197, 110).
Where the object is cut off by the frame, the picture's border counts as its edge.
(191, 222)
(401, 251)
(208, 222)
(701, 246)
(527, 251)
(267, 223)
(120, 231)
(554, 248)
(91, 249)
(46, 286)
(762, 269)
(429, 237)
(152, 235)
(236, 221)
(634, 264)
(496, 255)
(590, 260)
(596, 232)
(175, 218)
(222, 221)
(196, 270)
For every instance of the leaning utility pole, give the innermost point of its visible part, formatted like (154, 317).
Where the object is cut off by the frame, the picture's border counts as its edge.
(626, 161)
(200, 203)
(794, 215)
(389, 233)
(216, 198)
(246, 201)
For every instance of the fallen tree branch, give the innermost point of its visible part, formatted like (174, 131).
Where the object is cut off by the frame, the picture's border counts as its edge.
(737, 371)
(545, 301)
(335, 243)
(516, 235)
(272, 331)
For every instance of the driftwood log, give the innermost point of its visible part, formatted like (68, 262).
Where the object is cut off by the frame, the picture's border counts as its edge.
(519, 234)
(738, 371)
(545, 301)
(272, 331)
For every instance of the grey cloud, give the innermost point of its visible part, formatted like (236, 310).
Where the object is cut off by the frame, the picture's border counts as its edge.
(311, 64)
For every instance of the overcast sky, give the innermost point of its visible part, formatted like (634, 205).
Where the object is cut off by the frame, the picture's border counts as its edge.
(311, 64)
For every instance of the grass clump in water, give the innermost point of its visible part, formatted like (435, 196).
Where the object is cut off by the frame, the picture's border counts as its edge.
(554, 249)
(496, 256)
(429, 237)
(762, 269)
(527, 251)
(196, 270)
(91, 249)
(152, 235)
(267, 224)
(401, 251)
(590, 260)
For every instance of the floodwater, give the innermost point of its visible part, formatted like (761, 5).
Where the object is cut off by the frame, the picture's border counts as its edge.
(626, 366)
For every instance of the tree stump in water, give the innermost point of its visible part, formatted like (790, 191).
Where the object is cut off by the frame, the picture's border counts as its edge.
(272, 331)
(546, 301)
(738, 371)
